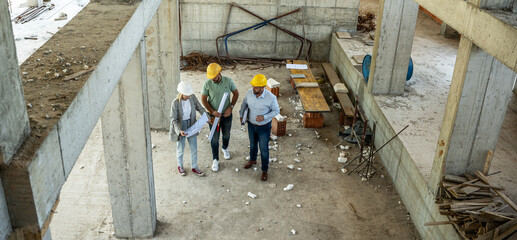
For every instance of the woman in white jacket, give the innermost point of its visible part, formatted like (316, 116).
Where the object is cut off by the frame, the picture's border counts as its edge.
(183, 116)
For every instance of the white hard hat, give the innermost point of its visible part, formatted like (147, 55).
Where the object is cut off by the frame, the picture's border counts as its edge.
(185, 88)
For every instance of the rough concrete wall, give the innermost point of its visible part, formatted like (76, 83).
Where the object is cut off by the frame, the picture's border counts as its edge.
(406, 177)
(5, 223)
(202, 21)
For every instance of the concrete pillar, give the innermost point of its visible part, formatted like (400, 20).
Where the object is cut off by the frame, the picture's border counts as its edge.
(163, 62)
(478, 98)
(447, 31)
(5, 223)
(392, 47)
(127, 149)
(14, 121)
(484, 100)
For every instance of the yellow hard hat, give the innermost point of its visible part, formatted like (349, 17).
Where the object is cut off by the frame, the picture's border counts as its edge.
(213, 70)
(259, 81)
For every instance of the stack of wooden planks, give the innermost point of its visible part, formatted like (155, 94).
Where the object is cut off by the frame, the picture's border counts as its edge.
(477, 209)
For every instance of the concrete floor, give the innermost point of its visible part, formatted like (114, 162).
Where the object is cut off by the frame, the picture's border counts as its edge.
(215, 205)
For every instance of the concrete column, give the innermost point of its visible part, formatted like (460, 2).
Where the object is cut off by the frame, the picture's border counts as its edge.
(127, 149)
(163, 62)
(447, 31)
(484, 100)
(478, 98)
(392, 47)
(14, 121)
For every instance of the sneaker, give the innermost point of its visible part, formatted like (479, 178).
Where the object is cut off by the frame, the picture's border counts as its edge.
(198, 172)
(215, 165)
(226, 153)
(180, 170)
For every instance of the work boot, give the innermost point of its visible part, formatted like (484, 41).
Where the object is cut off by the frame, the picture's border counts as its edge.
(249, 164)
(264, 176)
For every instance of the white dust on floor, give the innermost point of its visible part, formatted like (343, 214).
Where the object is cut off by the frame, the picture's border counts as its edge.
(43, 27)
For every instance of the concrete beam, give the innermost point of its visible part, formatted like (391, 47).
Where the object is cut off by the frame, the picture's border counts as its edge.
(127, 149)
(392, 47)
(163, 58)
(14, 127)
(487, 89)
(494, 31)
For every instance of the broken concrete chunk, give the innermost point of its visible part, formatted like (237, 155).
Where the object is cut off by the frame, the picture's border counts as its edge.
(273, 137)
(299, 169)
(236, 169)
(298, 205)
(247, 203)
(290, 167)
(293, 231)
(297, 160)
(272, 159)
(251, 195)
(344, 170)
(289, 187)
(184, 202)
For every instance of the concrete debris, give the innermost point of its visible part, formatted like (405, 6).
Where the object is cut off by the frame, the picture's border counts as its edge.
(272, 159)
(236, 169)
(47, 116)
(83, 47)
(342, 159)
(85, 67)
(65, 70)
(248, 158)
(272, 185)
(311, 152)
(293, 231)
(290, 135)
(347, 147)
(57, 75)
(153, 146)
(363, 179)
(273, 137)
(254, 169)
(344, 170)
(247, 203)
(280, 162)
(29, 105)
(298, 205)
(227, 190)
(280, 118)
(290, 167)
(62, 16)
(289, 187)
(82, 166)
(299, 169)
(347, 127)
(184, 202)
(382, 176)
(336, 105)
(251, 195)
(25, 73)
(297, 160)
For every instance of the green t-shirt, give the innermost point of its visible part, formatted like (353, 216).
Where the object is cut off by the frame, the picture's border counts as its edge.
(215, 92)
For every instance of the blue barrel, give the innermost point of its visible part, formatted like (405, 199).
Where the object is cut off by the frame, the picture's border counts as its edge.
(367, 62)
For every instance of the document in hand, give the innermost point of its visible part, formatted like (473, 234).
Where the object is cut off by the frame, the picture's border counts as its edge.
(196, 128)
(216, 120)
(245, 117)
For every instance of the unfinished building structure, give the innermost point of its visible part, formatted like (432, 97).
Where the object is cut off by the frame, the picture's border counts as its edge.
(131, 87)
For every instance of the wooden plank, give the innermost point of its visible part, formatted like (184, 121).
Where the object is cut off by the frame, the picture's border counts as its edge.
(358, 58)
(503, 228)
(483, 186)
(344, 100)
(494, 216)
(453, 178)
(501, 194)
(312, 98)
(438, 223)
(343, 35)
(507, 233)
(488, 162)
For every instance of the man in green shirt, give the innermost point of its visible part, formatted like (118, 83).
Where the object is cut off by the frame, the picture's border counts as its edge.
(211, 97)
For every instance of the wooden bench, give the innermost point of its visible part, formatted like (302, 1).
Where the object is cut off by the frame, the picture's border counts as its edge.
(313, 101)
(346, 114)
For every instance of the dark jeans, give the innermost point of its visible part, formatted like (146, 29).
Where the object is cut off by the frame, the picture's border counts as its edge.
(225, 125)
(259, 135)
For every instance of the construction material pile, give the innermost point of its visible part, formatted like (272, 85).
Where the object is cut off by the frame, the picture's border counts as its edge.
(32, 13)
(199, 61)
(366, 22)
(477, 209)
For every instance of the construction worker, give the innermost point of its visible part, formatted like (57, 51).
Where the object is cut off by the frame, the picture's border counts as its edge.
(211, 97)
(262, 107)
(183, 116)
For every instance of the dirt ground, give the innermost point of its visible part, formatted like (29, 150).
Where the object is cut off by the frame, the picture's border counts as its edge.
(215, 205)
(75, 48)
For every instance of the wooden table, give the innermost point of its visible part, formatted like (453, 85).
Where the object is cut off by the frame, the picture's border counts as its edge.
(312, 98)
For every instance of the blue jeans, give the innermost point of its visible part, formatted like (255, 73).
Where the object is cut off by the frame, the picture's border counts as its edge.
(259, 135)
(225, 125)
(180, 146)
